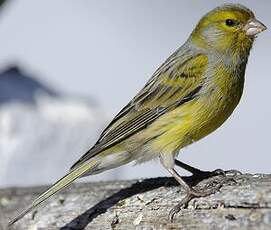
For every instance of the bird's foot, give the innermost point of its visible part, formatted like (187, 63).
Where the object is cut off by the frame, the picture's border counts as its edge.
(209, 189)
(218, 172)
(225, 173)
(200, 174)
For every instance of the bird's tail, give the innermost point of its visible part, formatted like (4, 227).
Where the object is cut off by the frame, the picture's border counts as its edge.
(60, 184)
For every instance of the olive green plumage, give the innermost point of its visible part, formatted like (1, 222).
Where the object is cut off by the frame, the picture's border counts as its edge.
(189, 96)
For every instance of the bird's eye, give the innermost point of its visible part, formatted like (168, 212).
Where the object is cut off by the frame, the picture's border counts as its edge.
(230, 22)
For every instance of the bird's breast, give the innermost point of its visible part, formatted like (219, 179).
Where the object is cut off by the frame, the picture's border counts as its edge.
(217, 102)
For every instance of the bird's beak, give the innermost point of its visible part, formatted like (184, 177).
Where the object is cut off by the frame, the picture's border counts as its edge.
(253, 27)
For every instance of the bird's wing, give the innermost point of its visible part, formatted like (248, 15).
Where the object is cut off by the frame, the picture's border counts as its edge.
(177, 81)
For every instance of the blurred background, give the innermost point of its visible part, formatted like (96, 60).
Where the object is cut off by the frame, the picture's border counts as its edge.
(67, 67)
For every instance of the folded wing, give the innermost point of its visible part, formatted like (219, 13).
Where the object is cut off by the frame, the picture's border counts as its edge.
(177, 81)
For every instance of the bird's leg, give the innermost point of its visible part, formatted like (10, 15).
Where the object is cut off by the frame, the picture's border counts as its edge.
(197, 173)
(190, 193)
(169, 162)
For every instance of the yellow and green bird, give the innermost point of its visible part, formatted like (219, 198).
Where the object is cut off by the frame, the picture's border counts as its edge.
(193, 93)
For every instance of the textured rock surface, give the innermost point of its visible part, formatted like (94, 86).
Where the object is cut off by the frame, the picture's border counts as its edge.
(145, 204)
(41, 130)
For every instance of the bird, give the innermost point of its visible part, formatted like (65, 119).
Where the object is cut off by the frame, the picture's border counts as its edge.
(188, 97)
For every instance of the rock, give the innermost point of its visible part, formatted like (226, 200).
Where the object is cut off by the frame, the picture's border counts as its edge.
(241, 203)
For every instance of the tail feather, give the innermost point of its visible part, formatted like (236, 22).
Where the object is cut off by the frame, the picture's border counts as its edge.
(60, 184)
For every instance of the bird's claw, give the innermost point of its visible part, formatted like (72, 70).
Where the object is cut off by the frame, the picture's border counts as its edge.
(174, 211)
(217, 172)
(225, 173)
(191, 194)
(228, 174)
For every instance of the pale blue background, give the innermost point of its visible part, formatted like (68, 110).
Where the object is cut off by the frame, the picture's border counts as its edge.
(108, 49)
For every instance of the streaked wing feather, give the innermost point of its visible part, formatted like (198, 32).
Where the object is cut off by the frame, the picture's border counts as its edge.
(177, 81)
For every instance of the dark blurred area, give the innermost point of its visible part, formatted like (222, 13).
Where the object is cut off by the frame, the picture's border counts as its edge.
(16, 86)
(2, 2)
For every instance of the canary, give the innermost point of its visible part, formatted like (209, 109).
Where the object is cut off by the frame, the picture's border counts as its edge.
(193, 93)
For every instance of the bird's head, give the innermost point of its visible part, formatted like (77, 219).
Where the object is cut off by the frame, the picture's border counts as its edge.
(228, 28)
